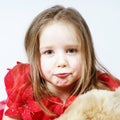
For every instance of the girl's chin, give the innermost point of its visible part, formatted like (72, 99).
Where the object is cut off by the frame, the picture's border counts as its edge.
(62, 84)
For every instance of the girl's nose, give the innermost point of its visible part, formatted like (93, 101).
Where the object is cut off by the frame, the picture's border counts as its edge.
(61, 61)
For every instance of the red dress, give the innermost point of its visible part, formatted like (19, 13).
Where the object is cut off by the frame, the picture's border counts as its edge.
(20, 95)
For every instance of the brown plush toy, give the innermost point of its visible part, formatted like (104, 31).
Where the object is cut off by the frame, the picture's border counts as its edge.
(94, 105)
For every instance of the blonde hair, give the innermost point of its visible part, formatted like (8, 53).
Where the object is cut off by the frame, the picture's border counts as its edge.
(89, 74)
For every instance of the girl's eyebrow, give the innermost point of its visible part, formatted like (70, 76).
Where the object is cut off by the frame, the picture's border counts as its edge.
(66, 46)
(46, 47)
(72, 46)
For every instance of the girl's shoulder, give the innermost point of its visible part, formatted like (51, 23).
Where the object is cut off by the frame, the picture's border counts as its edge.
(18, 69)
(19, 88)
(111, 81)
(17, 77)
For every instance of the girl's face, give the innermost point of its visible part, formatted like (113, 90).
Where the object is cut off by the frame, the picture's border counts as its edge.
(60, 55)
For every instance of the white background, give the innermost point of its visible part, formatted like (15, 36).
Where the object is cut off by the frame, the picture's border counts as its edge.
(102, 16)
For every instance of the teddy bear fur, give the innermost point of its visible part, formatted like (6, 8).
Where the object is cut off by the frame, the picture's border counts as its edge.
(94, 105)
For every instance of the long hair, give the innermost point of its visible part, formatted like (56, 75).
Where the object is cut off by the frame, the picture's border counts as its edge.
(90, 65)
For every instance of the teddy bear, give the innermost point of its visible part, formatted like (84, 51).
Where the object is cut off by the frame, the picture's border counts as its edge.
(94, 105)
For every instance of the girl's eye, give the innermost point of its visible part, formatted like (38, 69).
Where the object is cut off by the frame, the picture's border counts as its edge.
(48, 52)
(71, 51)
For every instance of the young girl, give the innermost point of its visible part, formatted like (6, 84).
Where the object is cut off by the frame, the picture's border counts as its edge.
(62, 65)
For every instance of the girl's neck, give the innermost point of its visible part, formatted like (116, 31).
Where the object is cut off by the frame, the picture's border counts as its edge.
(62, 93)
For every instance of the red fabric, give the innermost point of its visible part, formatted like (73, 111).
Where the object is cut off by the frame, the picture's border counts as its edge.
(20, 95)
(112, 83)
(2, 104)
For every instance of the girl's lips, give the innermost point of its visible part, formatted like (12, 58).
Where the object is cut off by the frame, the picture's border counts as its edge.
(62, 75)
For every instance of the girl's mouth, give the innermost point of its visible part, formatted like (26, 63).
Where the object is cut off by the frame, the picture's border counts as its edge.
(62, 75)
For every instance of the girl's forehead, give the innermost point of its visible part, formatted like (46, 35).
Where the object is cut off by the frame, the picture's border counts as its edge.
(57, 27)
(58, 32)
(56, 23)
